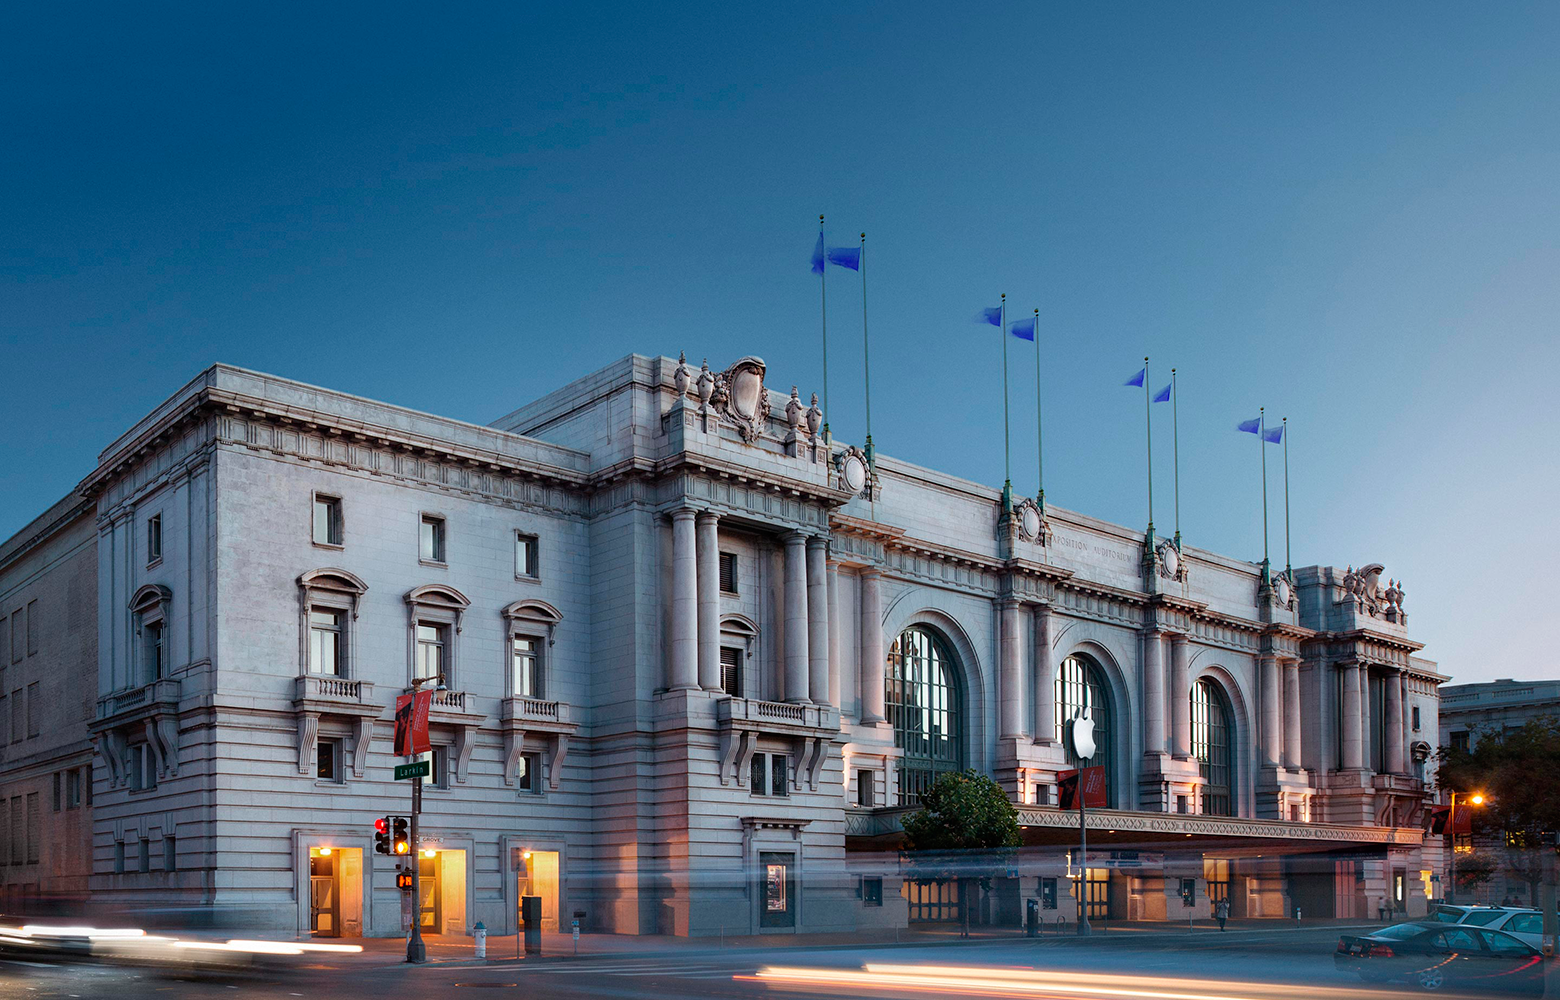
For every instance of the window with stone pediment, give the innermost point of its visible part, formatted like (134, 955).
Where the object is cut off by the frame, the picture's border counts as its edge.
(149, 612)
(328, 610)
(532, 628)
(435, 615)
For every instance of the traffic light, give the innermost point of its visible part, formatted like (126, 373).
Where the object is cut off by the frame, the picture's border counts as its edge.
(382, 835)
(401, 836)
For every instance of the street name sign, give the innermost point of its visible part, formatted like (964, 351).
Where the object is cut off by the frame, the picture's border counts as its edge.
(416, 769)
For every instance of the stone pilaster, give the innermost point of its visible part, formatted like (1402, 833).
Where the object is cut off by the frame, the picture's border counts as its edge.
(872, 656)
(1044, 677)
(1271, 736)
(796, 651)
(817, 621)
(707, 543)
(1350, 721)
(1392, 736)
(1180, 697)
(684, 674)
(1153, 692)
(1010, 681)
(1291, 669)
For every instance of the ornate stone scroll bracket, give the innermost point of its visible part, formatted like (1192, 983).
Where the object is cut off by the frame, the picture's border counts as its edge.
(308, 734)
(748, 747)
(465, 742)
(165, 740)
(514, 746)
(362, 736)
(555, 763)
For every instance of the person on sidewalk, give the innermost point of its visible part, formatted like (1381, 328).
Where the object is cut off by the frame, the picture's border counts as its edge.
(1222, 912)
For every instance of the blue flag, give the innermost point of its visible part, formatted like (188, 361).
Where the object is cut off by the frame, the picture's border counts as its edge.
(992, 316)
(1163, 395)
(1024, 329)
(1252, 426)
(1137, 379)
(845, 257)
(1274, 435)
(817, 257)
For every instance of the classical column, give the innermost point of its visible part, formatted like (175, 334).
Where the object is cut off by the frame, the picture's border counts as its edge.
(1392, 737)
(796, 617)
(1367, 759)
(708, 545)
(1045, 677)
(817, 621)
(872, 660)
(1291, 670)
(684, 674)
(1272, 739)
(1349, 718)
(1010, 681)
(833, 571)
(1180, 697)
(1153, 692)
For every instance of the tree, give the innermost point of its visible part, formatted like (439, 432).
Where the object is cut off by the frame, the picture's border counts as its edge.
(1518, 772)
(965, 832)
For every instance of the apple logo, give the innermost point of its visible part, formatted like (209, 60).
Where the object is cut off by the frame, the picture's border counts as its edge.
(1083, 734)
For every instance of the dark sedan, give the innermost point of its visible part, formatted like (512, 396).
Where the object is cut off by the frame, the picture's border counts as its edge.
(1444, 958)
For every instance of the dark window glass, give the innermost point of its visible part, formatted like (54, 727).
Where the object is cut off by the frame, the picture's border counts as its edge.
(731, 671)
(1504, 944)
(146, 855)
(779, 774)
(1080, 683)
(864, 790)
(525, 555)
(530, 772)
(152, 638)
(170, 854)
(1211, 741)
(925, 707)
(154, 538)
(325, 760)
(872, 891)
(758, 775)
(1460, 739)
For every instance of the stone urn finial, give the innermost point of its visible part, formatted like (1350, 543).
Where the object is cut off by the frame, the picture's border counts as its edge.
(680, 379)
(793, 410)
(814, 417)
(706, 384)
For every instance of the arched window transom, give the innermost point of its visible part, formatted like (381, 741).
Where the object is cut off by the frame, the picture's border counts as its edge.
(925, 707)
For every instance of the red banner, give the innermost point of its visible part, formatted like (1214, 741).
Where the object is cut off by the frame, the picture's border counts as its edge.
(1093, 788)
(411, 723)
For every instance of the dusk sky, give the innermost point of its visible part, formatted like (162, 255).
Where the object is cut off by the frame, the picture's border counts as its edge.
(1347, 213)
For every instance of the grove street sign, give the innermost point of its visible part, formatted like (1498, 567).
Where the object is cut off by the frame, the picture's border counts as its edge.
(416, 769)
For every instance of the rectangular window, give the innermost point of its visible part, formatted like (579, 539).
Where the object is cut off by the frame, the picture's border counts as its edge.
(34, 821)
(866, 794)
(327, 760)
(18, 716)
(1188, 892)
(728, 572)
(731, 671)
(33, 710)
(1460, 739)
(152, 651)
(779, 774)
(143, 768)
(146, 855)
(327, 520)
(1047, 893)
(170, 853)
(872, 890)
(73, 788)
(430, 651)
(58, 791)
(525, 659)
(32, 628)
(526, 556)
(758, 773)
(531, 773)
(119, 857)
(18, 635)
(439, 767)
(5, 639)
(4, 718)
(18, 832)
(324, 642)
(1416, 718)
(153, 538)
(431, 539)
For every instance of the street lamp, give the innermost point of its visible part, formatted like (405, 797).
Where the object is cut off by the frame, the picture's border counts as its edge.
(1477, 798)
(1083, 746)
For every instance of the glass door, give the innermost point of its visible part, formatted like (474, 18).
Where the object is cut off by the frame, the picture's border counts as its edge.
(428, 883)
(323, 917)
(776, 890)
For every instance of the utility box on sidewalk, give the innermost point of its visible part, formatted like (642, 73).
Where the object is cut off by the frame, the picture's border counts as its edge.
(1032, 917)
(531, 917)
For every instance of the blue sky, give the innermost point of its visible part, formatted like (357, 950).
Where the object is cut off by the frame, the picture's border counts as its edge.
(1344, 212)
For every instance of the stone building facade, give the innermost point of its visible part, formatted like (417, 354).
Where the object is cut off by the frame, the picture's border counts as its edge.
(697, 663)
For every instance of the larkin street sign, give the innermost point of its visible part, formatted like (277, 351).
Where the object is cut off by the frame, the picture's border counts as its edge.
(416, 769)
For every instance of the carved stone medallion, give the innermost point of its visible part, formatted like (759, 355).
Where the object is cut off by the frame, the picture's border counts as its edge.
(746, 397)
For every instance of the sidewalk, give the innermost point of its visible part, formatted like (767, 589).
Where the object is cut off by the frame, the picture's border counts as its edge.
(460, 949)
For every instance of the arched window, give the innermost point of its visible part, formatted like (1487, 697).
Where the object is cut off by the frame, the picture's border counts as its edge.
(926, 709)
(1211, 739)
(1080, 682)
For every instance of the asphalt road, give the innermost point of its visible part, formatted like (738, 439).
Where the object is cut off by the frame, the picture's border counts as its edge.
(1258, 966)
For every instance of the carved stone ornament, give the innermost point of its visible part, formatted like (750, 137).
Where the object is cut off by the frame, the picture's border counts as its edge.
(741, 391)
(793, 410)
(814, 417)
(1282, 589)
(681, 378)
(1170, 565)
(705, 387)
(1364, 587)
(852, 467)
(1031, 526)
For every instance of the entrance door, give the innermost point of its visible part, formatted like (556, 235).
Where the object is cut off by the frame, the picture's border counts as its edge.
(428, 884)
(1097, 902)
(540, 878)
(324, 909)
(776, 890)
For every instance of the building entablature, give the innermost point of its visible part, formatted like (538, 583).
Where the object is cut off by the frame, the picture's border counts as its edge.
(1362, 647)
(1284, 641)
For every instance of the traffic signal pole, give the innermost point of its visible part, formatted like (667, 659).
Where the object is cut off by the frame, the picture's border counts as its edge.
(416, 951)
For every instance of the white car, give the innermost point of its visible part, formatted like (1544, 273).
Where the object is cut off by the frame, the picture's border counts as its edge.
(1525, 924)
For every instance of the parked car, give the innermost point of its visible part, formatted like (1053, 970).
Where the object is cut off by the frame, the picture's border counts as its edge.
(1477, 915)
(1442, 957)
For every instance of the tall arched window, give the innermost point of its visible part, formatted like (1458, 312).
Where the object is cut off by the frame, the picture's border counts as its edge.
(926, 709)
(1211, 739)
(1080, 682)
